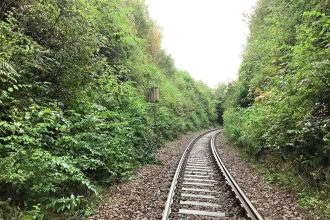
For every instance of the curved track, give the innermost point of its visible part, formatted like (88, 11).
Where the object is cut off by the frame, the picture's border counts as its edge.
(202, 187)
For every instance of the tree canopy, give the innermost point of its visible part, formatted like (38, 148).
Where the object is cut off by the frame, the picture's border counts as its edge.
(279, 108)
(73, 77)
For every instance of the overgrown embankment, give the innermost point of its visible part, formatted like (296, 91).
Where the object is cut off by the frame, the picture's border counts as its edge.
(279, 108)
(73, 118)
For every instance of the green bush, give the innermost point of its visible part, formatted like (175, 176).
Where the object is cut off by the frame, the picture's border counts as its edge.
(278, 110)
(73, 116)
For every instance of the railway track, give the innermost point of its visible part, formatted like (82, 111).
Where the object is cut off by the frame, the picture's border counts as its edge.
(202, 187)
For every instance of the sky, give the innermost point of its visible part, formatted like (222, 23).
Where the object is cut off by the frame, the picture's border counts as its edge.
(204, 37)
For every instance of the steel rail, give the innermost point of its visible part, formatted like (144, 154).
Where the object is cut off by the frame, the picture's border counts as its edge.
(170, 197)
(251, 211)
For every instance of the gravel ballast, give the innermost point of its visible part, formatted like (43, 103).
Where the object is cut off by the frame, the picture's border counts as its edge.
(271, 201)
(217, 189)
(144, 197)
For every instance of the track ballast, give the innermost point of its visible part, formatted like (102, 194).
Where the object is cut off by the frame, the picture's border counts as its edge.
(202, 187)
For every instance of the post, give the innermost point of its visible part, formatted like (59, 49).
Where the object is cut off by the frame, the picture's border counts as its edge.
(152, 96)
(155, 124)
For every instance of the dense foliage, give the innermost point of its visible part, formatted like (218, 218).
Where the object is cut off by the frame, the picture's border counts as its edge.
(73, 76)
(279, 108)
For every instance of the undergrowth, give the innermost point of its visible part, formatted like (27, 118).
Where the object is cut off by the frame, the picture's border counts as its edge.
(281, 174)
(74, 114)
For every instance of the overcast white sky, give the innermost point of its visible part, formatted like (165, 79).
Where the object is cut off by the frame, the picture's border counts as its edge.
(204, 37)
